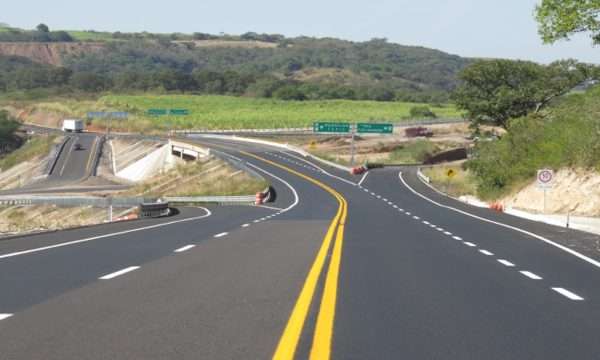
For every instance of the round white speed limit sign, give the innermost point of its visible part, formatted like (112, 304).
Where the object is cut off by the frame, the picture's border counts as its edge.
(545, 177)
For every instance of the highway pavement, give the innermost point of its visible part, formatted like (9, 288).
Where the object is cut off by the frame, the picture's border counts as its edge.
(74, 164)
(386, 269)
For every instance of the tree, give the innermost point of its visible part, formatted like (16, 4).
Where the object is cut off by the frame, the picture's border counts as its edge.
(8, 126)
(89, 82)
(422, 111)
(289, 92)
(42, 28)
(559, 19)
(495, 91)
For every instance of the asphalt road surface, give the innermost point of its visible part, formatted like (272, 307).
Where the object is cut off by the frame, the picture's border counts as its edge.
(387, 269)
(74, 165)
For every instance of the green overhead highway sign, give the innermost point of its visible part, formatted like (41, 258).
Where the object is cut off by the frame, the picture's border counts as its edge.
(161, 112)
(179, 112)
(157, 112)
(331, 127)
(368, 128)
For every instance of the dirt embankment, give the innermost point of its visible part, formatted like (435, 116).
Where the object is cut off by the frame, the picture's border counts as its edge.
(574, 191)
(48, 53)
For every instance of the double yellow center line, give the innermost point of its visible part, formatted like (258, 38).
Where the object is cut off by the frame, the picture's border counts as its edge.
(322, 338)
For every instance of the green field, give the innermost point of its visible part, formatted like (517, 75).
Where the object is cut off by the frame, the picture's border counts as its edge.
(224, 112)
(90, 35)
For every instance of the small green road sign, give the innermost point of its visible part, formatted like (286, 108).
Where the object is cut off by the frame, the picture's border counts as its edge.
(372, 128)
(157, 112)
(179, 112)
(331, 127)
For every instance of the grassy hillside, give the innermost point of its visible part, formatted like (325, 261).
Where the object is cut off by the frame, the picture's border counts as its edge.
(259, 65)
(566, 135)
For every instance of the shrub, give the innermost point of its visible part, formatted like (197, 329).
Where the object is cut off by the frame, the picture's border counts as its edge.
(422, 112)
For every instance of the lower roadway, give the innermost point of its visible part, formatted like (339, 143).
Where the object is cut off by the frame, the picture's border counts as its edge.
(406, 274)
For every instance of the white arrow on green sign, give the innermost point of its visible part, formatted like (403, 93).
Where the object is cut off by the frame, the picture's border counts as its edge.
(373, 128)
(331, 127)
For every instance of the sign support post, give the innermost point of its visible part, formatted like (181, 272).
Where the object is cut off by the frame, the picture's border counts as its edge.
(352, 148)
(544, 181)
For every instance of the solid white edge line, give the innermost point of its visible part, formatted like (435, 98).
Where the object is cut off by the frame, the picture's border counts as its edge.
(547, 241)
(531, 275)
(362, 180)
(184, 248)
(119, 273)
(296, 198)
(18, 253)
(321, 169)
(506, 263)
(566, 293)
(269, 207)
(221, 234)
(5, 316)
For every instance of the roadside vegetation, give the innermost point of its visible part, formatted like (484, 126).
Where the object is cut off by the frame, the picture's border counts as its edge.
(35, 147)
(226, 112)
(565, 135)
(22, 219)
(461, 183)
(550, 112)
(199, 178)
(414, 152)
(8, 128)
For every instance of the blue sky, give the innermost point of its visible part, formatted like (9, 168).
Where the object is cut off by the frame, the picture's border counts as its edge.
(475, 28)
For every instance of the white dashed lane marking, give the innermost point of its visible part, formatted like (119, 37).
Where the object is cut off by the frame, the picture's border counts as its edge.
(119, 273)
(5, 316)
(531, 275)
(184, 248)
(566, 293)
(506, 263)
(245, 225)
(222, 234)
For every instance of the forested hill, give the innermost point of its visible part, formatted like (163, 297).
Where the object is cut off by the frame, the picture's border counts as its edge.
(250, 64)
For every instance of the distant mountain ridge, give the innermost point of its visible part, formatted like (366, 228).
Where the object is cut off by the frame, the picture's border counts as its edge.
(371, 66)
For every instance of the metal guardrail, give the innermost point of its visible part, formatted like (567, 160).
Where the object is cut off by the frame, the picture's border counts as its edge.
(423, 176)
(68, 201)
(242, 199)
(309, 130)
(56, 151)
(97, 155)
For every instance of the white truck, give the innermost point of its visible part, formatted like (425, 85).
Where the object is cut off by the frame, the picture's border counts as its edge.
(72, 125)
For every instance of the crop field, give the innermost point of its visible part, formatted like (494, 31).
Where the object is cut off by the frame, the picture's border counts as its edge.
(223, 112)
(90, 35)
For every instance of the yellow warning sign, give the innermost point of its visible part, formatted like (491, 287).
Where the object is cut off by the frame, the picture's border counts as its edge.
(450, 173)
